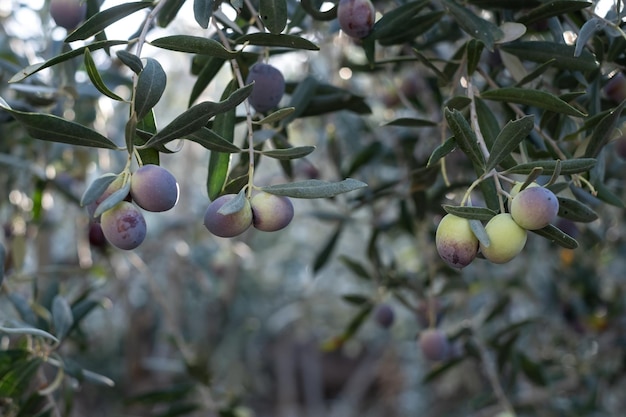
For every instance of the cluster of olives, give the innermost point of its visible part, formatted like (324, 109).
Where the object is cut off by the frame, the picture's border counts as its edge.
(152, 188)
(532, 208)
(264, 211)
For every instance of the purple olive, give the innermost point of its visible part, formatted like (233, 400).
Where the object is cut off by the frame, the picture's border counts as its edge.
(68, 13)
(434, 344)
(227, 225)
(124, 226)
(269, 87)
(534, 208)
(154, 188)
(356, 17)
(271, 212)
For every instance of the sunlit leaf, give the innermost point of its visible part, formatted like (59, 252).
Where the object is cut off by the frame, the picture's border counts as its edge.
(101, 20)
(314, 188)
(150, 87)
(537, 98)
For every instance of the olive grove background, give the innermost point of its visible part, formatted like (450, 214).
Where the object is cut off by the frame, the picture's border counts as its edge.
(284, 324)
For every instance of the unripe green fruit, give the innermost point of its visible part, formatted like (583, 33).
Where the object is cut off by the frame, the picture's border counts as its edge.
(455, 241)
(356, 17)
(534, 208)
(227, 225)
(68, 13)
(271, 212)
(506, 238)
(269, 87)
(518, 187)
(124, 226)
(154, 188)
(434, 344)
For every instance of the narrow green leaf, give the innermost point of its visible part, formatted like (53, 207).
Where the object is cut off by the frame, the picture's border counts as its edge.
(553, 8)
(575, 210)
(150, 87)
(208, 72)
(416, 26)
(356, 299)
(101, 20)
(197, 117)
(586, 32)
(234, 205)
(310, 7)
(536, 73)
(509, 139)
(112, 200)
(442, 150)
(273, 15)
(603, 131)
(3, 255)
(132, 61)
(532, 370)
(324, 255)
(570, 166)
(490, 128)
(62, 317)
(202, 12)
(465, 138)
(563, 55)
(148, 125)
(168, 12)
(96, 188)
(479, 28)
(314, 188)
(194, 45)
(219, 162)
(393, 20)
(556, 235)
(301, 97)
(357, 321)
(469, 212)
(55, 129)
(355, 266)
(282, 40)
(212, 141)
(474, 51)
(608, 196)
(287, 154)
(32, 331)
(410, 122)
(276, 116)
(32, 69)
(96, 79)
(540, 99)
(364, 157)
(505, 4)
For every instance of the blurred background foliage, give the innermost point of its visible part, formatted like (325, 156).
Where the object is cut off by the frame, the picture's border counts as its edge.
(284, 324)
